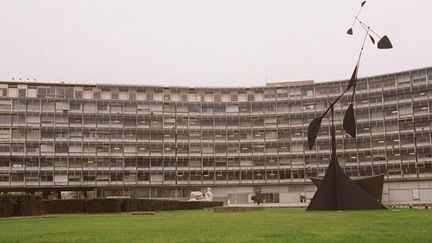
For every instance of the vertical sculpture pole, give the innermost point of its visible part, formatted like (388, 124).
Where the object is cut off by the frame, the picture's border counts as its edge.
(336, 191)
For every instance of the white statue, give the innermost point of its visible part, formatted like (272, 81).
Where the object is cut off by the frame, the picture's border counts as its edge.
(196, 196)
(199, 196)
(209, 195)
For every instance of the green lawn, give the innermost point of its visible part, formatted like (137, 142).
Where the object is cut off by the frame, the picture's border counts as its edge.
(271, 225)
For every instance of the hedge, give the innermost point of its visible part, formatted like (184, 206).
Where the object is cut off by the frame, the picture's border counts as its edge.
(103, 205)
(26, 205)
(20, 205)
(63, 206)
(7, 205)
(113, 205)
(130, 205)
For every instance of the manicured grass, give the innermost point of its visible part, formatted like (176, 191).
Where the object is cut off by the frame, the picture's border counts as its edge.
(271, 225)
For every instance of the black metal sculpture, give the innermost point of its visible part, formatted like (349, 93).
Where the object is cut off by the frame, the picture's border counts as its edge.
(336, 191)
(258, 197)
(371, 184)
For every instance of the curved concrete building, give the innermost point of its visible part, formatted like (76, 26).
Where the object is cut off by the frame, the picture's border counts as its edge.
(147, 141)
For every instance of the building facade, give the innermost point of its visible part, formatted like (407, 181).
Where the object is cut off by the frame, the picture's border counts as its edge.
(138, 141)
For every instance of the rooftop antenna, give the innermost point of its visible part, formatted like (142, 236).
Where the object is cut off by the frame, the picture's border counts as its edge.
(266, 76)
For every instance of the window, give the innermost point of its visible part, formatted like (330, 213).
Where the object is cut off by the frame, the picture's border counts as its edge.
(149, 96)
(5, 105)
(78, 94)
(294, 92)
(217, 97)
(115, 95)
(132, 95)
(75, 106)
(42, 92)
(234, 97)
(102, 107)
(271, 197)
(62, 92)
(90, 107)
(96, 94)
(22, 93)
(116, 108)
(3, 92)
(251, 97)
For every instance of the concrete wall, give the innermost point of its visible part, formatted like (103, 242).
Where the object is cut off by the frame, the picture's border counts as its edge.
(411, 192)
(406, 192)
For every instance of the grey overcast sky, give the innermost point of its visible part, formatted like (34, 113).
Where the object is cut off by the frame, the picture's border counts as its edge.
(206, 43)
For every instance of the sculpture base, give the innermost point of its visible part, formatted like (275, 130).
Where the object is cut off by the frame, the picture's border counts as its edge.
(371, 184)
(338, 192)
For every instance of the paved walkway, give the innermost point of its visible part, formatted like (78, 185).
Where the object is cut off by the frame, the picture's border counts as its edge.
(30, 217)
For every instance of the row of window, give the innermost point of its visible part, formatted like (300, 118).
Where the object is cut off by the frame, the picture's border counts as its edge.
(409, 170)
(186, 157)
(209, 148)
(307, 89)
(65, 109)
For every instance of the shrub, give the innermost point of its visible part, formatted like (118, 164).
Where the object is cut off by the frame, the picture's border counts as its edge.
(194, 205)
(28, 205)
(171, 205)
(149, 205)
(183, 205)
(23, 205)
(130, 205)
(20, 205)
(63, 206)
(7, 205)
(111, 205)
